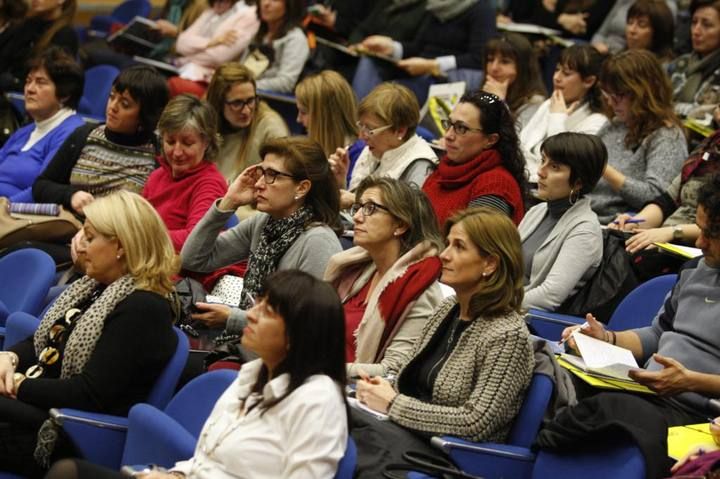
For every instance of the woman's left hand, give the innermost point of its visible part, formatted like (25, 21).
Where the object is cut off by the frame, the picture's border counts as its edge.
(419, 66)
(375, 392)
(647, 238)
(216, 315)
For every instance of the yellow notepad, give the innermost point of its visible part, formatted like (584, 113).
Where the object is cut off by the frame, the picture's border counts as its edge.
(683, 439)
(605, 382)
(684, 251)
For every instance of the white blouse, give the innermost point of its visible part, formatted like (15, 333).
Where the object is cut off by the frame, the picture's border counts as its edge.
(302, 436)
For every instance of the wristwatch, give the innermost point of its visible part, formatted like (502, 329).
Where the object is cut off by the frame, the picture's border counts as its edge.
(677, 233)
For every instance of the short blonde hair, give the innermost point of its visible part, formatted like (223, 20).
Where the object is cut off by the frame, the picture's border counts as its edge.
(330, 102)
(493, 234)
(394, 105)
(132, 220)
(188, 111)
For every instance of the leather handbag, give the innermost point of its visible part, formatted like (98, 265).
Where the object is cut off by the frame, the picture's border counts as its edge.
(15, 227)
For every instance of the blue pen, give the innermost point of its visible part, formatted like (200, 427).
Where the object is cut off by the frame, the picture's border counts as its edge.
(631, 221)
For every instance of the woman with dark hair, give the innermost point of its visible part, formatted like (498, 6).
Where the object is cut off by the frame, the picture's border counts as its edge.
(49, 22)
(645, 142)
(187, 182)
(650, 26)
(96, 160)
(388, 281)
(285, 415)
(658, 15)
(575, 105)
(467, 373)
(483, 165)
(53, 89)
(561, 237)
(512, 73)
(281, 40)
(246, 122)
(221, 34)
(296, 195)
(696, 75)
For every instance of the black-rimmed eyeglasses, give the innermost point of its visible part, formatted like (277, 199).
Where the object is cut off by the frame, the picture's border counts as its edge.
(460, 128)
(238, 105)
(367, 208)
(269, 174)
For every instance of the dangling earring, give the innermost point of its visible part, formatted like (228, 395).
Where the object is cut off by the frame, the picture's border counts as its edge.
(572, 200)
(117, 256)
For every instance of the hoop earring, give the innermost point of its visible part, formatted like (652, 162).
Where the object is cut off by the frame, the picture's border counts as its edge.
(572, 200)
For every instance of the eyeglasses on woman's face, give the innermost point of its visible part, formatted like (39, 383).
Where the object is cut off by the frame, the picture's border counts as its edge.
(367, 208)
(460, 128)
(613, 97)
(269, 174)
(238, 105)
(365, 130)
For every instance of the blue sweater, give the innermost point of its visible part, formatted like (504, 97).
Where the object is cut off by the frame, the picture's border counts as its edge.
(18, 169)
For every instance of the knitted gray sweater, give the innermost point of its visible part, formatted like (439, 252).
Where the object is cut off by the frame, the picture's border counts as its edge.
(648, 170)
(480, 388)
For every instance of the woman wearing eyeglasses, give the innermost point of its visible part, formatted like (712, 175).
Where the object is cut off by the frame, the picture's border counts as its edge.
(388, 117)
(483, 164)
(296, 195)
(245, 121)
(645, 141)
(388, 280)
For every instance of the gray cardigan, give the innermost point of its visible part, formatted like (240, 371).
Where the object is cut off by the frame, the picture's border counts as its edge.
(207, 249)
(566, 259)
(648, 170)
(291, 53)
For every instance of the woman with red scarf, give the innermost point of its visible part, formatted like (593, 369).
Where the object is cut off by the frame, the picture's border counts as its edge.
(388, 280)
(483, 165)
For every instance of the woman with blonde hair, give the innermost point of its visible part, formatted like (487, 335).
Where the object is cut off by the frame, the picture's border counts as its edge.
(388, 280)
(470, 366)
(78, 357)
(187, 182)
(645, 141)
(327, 108)
(388, 117)
(245, 121)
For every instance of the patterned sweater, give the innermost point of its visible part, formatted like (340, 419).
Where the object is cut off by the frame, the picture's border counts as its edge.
(481, 385)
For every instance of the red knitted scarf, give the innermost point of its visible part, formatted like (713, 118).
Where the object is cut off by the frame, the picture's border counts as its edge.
(452, 186)
(397, 295)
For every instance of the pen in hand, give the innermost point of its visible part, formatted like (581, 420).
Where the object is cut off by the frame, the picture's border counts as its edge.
(583, 326)
(631, 221)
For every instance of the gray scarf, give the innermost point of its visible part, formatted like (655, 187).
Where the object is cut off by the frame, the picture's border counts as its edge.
(698, 69)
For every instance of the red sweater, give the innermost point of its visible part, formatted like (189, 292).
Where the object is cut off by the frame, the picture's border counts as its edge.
(182, 202)
(452, 186)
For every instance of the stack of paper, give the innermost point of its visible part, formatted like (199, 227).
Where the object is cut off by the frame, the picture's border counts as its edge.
(684, 251)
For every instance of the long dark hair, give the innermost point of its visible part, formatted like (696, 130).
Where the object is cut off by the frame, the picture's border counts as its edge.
(294, 13)
(305, 159)
(314, 325)
(495, 117)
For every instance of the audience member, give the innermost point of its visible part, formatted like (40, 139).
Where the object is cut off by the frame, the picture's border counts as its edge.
(512, 73)
(285, 414)
(388, 281)
(327, 108)
(631, 24)
(679, 353)
(650, 26)
(53, 89)
(561, 238)
(78, 357)
(671, 216)
(221, 34)
(388, 118)
(696, 75)
(645, 142)
(47, 23)
(483, 165)
(576, 104)
(280, 49)
(448, 43)
(468, 371)
(187, 182)
(246, 122)
(295, 192)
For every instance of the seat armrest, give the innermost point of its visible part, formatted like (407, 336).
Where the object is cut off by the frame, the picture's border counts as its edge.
(489, 460)
(99, 438)
(550, 325)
